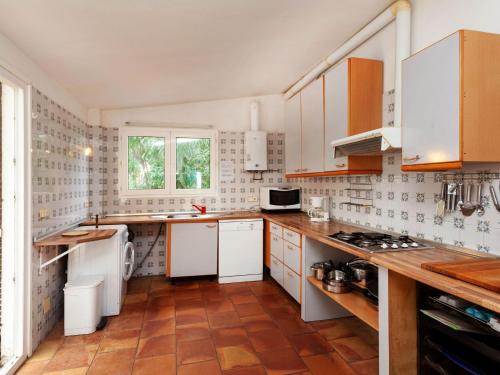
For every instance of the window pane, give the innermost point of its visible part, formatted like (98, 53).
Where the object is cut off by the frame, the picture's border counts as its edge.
(146, 163)
(192, 163)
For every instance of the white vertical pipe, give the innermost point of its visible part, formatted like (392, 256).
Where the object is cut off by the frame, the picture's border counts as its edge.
(254, 116)
(402, 11)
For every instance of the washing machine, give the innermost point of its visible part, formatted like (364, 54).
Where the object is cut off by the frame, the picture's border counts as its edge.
(112, 258)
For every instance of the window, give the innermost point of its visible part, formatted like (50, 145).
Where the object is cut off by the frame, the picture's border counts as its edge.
(162, 162)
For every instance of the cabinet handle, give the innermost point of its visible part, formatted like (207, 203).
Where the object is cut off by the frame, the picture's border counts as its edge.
(211, 226)
(340, 165)
(413, 158)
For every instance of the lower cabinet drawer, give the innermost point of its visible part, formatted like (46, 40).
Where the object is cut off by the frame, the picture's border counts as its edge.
(291, 283)
(276, 229)
(277, 270)
(291, 236)
(291, 256)
(277, 247)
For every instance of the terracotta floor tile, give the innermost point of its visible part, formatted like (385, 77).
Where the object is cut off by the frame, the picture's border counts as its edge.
(271, 339)
(157, 345)
(114, 363)
(161, 284)
(119, 340)
(159, 301)
(231, 357)
(223, 319)
(281, 362)
(213, 296)
(125, 322)
(201, 368)
(354, 349)
(71, 357)
(158, 328)
(191, 332)
(135, 308)
(310, 344)
(181, 285)
(282, 312)
(159, 313)
(257, 323)
(164, 364)
(254, 370)
(368, 367)
(195, 351)
(324, 364)
(32, 368)
(230, 336)
(46, 350)
(190, 317)
(261, 288)
(57, 332)
(185, 294)
(138, 285)
(189, 304)
(248, 309)
(333, 329)
(236, 288)
(239, 299)
(271, 300)
(73, 371)
(223, 305)
(136, 297)
(90, 339)
(293, 326)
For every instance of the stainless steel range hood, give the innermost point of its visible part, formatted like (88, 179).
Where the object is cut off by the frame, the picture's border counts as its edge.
(373, 142)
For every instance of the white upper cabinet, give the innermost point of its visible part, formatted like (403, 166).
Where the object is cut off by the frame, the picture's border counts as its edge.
(336, 113)
(431, 104)
(293, 135)
(312, 127)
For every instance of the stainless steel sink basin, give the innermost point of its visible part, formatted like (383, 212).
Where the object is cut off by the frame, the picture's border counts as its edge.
(183, 216)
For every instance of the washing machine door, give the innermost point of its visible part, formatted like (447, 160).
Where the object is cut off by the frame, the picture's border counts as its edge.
(128, 260)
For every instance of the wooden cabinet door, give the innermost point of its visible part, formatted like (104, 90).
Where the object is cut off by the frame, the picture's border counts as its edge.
(431, 104)
(312, 127)
(293, 135)
(336, 113)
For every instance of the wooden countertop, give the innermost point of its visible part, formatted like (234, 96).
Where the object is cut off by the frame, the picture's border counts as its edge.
(59, 239)
(406, 263)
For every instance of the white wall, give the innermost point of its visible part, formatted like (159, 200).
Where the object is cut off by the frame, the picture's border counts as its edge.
(432, 20)
(230, 114)
(15, 61)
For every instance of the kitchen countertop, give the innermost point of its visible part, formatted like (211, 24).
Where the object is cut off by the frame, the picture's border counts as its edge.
(406, 262)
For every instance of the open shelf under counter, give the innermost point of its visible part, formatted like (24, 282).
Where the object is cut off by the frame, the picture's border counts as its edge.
(353, 302)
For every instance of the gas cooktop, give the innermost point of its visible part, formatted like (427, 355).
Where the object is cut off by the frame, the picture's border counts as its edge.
(374, 242)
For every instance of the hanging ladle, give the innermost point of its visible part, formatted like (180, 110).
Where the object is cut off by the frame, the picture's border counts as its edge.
(494, 197)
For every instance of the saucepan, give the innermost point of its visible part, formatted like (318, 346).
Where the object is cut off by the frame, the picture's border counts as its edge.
(320, 269)
(362, 270)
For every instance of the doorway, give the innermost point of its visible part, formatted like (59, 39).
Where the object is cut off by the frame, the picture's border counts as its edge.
(15, 223)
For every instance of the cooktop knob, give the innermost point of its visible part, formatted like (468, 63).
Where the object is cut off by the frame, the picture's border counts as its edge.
(384, 245)
(404, 244)
(414, 244)
(394, 246)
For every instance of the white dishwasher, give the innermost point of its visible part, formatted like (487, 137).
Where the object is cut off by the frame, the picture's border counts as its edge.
(240, 250)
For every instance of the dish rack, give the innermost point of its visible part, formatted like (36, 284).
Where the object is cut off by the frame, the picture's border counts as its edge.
(360, 193)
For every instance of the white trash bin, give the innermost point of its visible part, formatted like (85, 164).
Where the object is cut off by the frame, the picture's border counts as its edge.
(82, 304)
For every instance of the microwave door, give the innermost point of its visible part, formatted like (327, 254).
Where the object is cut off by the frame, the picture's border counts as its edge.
(284, 197)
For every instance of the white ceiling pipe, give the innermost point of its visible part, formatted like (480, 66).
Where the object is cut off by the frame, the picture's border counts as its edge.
(254, 116)
(378, 23)
(403, 50)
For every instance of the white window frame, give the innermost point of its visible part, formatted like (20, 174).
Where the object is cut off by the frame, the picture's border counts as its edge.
(170, 136)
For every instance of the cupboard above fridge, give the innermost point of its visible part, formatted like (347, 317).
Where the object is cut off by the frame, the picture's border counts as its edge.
(450, 103)
(346, 101)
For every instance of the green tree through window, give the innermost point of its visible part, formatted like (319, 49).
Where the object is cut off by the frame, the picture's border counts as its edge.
(146, 163)
(192, 163)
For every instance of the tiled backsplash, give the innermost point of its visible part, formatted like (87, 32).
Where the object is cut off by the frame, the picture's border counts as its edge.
(60, 171)
(405, 203)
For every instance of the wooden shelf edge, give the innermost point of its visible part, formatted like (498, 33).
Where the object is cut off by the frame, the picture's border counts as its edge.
(335, 173)
(352, 302)
(59, 240)
(432, 167)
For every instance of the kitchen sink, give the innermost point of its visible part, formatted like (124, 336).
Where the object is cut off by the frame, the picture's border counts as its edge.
(186, 215)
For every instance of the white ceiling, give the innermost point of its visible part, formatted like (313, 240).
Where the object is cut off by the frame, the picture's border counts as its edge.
(126, 53)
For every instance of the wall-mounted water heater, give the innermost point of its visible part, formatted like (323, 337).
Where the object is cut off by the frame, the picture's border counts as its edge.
(255, 143)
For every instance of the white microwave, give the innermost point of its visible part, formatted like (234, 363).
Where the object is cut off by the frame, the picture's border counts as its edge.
(279, 198)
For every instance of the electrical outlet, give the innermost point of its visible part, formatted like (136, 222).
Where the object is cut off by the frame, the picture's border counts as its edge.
(43, 213)
(251, 198)
(46, 305)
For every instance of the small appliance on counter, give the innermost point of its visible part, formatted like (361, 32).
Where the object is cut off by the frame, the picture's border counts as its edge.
(318, 212)
(279, 199)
